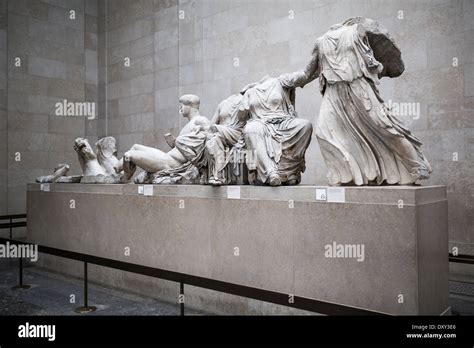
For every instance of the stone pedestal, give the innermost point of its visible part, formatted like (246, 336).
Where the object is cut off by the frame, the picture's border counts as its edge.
(279, 239)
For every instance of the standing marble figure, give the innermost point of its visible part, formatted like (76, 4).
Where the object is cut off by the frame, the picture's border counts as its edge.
(361, 141)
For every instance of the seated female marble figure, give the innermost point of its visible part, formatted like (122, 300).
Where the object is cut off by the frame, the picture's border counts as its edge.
(225, 145)
(262, 121)
(276, 140)
(180, 160)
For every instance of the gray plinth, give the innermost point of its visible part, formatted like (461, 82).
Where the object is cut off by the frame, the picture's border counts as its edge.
(280, 233)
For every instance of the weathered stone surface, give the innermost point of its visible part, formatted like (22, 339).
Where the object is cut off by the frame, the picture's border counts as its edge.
(279, 248)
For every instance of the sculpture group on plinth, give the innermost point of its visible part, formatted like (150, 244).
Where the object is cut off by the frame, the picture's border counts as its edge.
(256, 137)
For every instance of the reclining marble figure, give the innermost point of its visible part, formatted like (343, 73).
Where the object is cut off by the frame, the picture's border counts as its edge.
(181, 163)
(361, 140)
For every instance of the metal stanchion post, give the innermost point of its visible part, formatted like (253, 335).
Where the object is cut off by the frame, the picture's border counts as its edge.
(86, 308)
(11, 235)
(181, 292)
(21, 286)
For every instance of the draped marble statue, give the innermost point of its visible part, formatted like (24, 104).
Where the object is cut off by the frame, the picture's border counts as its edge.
(256, 137)
(225, 144)
(361, 141)
(263, 121)
(181, 163)
(276, 139)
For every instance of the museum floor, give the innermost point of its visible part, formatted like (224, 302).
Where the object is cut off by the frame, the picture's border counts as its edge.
(50, 293)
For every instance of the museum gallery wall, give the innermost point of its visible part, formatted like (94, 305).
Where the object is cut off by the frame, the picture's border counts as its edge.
(135, 60)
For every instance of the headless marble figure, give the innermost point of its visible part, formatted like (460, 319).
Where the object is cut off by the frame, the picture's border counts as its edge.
(275, 138)
(361, 140)
(185, 147)
(262, 120)
(225, 144)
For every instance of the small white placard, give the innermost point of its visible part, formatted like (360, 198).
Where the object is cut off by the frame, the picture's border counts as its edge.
(336, 194)
(44, 187)
(233, 192)
(148, 190)
(140, 189)
(321, 194)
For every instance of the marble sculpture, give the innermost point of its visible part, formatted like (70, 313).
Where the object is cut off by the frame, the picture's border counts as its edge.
(361, 141)
(97, 166)
(256, 137)
(180, 164)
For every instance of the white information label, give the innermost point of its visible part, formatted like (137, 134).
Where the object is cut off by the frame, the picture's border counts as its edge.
(148, 190)
(233, 192)
(321, 194)
(336, 194)
(44, 187)
(140, 190)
